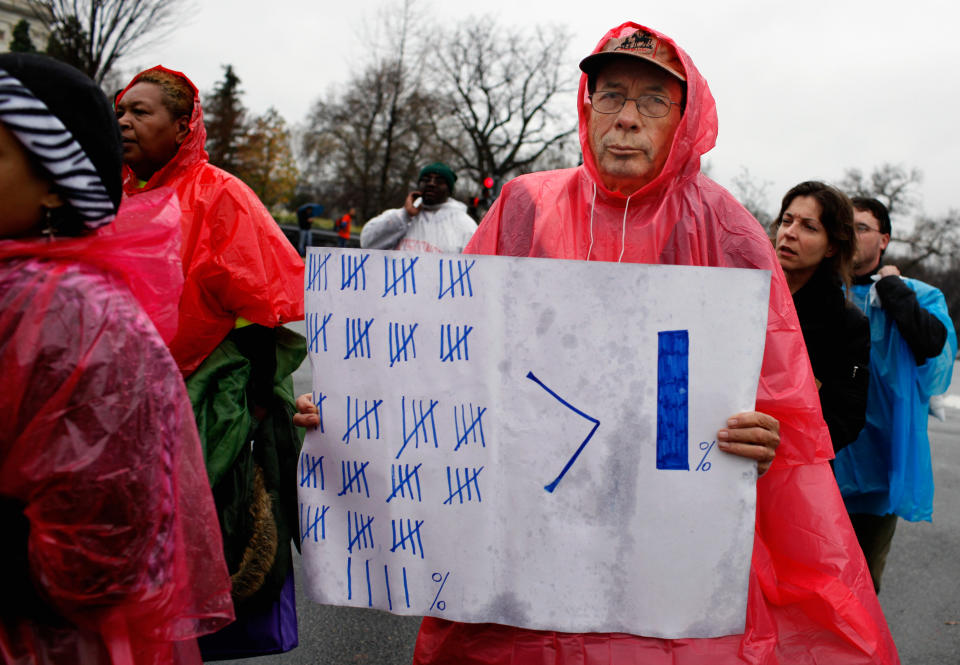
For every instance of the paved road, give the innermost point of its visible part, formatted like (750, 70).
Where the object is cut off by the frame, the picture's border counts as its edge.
(920, 596)
(921, 584)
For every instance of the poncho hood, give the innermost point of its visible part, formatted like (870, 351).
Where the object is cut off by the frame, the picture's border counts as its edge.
(695, 136)
(237, 263)
(191, 151)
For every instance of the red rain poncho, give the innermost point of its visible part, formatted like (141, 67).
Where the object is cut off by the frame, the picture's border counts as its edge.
(236, 260)
(810, 596)
(100, 444)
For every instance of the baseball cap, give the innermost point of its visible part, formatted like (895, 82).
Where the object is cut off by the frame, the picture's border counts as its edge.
(638, 44)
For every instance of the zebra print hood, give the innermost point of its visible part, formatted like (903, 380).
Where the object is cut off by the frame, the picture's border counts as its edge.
(66, 123)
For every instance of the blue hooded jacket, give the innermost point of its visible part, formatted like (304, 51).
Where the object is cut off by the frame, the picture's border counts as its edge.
(888, 468)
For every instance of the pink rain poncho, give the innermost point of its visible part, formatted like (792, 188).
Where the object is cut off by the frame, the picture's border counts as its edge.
(236, 260)
(99, 444)
(810, 599)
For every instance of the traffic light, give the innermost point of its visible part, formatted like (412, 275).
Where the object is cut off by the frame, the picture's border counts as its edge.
(488, 182)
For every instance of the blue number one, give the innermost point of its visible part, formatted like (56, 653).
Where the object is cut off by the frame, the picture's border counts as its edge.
(673, 355)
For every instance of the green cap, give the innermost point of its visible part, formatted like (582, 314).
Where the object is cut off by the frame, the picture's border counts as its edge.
(441, 170)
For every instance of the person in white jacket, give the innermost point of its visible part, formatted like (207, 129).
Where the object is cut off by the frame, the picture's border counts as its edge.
(429, 221)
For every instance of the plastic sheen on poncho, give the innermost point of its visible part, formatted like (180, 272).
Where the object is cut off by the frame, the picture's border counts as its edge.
(100, 444)
(900, 481)
(236, 260)
(810, 595)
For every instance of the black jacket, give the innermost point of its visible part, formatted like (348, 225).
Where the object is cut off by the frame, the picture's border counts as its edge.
(837, 335)
(924, 333)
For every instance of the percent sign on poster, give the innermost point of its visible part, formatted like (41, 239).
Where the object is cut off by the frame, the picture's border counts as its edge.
(530, 442)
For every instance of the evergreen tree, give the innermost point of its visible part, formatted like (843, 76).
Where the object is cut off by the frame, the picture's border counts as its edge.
(225, 119)
(21, 42)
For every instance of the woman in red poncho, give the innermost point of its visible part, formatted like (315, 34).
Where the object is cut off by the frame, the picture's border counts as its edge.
(810, 597)
(110, 552)
(242, 281)
(237, 263)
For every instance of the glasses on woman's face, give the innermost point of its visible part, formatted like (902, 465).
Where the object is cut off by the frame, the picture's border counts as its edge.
(863, 229)
(652, 106)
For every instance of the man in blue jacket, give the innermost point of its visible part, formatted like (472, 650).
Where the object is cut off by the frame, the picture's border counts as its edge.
(887, 471)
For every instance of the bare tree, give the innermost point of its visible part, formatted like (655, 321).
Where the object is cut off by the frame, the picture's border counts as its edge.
(932, 238)
(363, 143)
(891, 184)
(401, 82)
(494, 96)
(92, 35)
(752, 195)
(344, 143)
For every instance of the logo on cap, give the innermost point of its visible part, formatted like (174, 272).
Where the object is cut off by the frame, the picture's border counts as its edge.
(639, 42)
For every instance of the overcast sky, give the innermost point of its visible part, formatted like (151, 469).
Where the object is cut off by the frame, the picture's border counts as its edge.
(804, 90)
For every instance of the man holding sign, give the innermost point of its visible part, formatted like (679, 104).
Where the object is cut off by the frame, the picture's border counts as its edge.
(646, 117)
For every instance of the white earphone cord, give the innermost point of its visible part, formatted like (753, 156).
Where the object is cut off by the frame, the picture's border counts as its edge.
(623, 226)
(623, 230)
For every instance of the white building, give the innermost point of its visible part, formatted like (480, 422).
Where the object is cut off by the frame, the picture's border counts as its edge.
(11, 13)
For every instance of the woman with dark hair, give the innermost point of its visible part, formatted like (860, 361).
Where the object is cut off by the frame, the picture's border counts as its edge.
(108, 555)
(815, 241)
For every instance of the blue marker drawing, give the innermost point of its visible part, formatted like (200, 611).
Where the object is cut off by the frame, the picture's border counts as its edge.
(353, 272)
(453, 339)
(317, 331)
(420, 420)
(310, 525)
(596, 423)
(308, 470)
(393, 279)
(359, 531)
(317, 271)
(405, 482)
(369, 587)
(357, 338)
(407, 533)
(318, 400)
(356, 419)
(469, 481)
(461, 279)
(349, 579)
(466, 428)
(401, 339)
(406, 589)
(673, 352)
(386, 580)
(706, 446)
(354, 479)
(437, 603)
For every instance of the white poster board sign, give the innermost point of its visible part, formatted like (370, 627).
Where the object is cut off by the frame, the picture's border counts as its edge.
(530, 442)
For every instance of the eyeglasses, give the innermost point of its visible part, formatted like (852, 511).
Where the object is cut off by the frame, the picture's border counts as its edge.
(652, 106)
(862, 228)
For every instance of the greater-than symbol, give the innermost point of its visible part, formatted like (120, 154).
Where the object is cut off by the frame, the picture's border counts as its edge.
(437, 603)
(596, 423)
